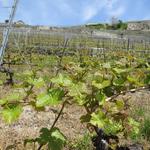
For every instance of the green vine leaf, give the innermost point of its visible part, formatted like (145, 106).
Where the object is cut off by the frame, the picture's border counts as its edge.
(102, 85)
(52, 97)
(62, 80)
(58, 140)
(3, 101)
(135, 128)
(147, 79)
(119, 81)
(54, 138)
(113, 127)
(28, 73)
(78, 91)
(15, 96)
(120, 71)
(134, 81)
(85, 118)
(106, 65)
(12, 113)
(38, 83)
(120, 104)
(101, 98)
(98, 119)
(43, 100)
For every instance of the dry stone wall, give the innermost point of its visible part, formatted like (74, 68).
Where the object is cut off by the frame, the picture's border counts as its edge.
(141, 25)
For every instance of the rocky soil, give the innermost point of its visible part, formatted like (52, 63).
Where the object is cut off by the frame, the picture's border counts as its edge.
(31, 122)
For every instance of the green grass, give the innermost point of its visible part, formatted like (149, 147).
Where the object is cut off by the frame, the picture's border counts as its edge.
(83, 143)
(145, 129)
(143, 117)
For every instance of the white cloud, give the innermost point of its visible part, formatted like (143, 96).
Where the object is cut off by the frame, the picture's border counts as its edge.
(111, 3)
(66, 11)
(89, 13)
(115, 8)
(92, 9)
(111, 8)
(117, 12)
(65, 8)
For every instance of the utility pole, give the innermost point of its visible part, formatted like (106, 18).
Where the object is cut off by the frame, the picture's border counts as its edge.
(7, 30)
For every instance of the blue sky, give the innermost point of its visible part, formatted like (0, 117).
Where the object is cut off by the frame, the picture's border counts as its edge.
(75, 12)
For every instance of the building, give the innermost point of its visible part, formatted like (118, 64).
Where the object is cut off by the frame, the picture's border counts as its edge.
(19, 22)
(2, 25)
(43, 27)
(139, 25)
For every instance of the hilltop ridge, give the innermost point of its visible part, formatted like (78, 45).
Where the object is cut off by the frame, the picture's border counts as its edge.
(139, 25)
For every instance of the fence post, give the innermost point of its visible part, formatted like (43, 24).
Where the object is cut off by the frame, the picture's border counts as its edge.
(128, 44)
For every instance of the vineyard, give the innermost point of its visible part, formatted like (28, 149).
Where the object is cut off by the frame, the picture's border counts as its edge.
(92, 42)
(57, 87)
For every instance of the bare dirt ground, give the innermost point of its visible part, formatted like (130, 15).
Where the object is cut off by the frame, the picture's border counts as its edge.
(31, 122)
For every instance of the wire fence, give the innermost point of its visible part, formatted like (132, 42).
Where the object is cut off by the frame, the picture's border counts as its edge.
(51, 42)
